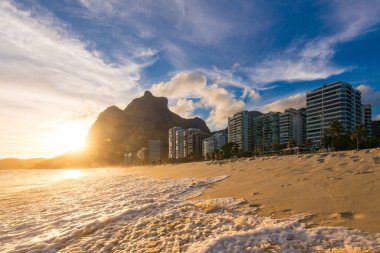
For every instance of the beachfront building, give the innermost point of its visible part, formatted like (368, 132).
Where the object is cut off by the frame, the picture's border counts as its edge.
(293, 126)
(266, 131)
(240, 130)
(174, 133)
(334, 101)
(186, 143)
(213, 143)
(142, 154)
(195, 145)
(154, 150)
(186, 134)
(367, 118)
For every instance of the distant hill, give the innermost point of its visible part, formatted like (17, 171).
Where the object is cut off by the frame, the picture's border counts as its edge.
(13, 163)
(118, 131)
(376, 128)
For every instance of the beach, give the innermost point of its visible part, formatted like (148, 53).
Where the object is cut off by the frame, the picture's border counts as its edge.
(307, 203)
(337, 189)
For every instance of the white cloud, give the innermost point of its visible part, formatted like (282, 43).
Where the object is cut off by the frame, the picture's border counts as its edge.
(369, 95)
(184, 107)
(221, 102)
(191, 21)
(182, 85)
(377, 117)
(296, 101)
(312, 60)
(48, 75)
(253, 94)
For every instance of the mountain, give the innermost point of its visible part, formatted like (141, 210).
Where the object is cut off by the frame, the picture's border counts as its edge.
(118, 131)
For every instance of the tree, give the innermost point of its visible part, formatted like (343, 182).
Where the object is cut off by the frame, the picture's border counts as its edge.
(308, 143)
(292, 143)
(359, 134)
(229, 149)
(334, 130)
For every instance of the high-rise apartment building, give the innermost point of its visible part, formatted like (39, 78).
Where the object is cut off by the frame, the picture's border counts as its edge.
(213, 143)
(195, 145)
(186, 134)
(240, 130)
(293, 126)
(154, 150)
(367, 118)
(266, 129)
(186, 143)
(335, 101)
(175, 143)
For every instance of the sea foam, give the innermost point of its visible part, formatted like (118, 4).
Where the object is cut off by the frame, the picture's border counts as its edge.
(122, 212)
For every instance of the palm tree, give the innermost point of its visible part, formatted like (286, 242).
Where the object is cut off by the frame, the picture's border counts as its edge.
(335, 129)
(359, 134)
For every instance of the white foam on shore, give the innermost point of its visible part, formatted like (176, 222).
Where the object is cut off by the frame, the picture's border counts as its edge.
(132, 213)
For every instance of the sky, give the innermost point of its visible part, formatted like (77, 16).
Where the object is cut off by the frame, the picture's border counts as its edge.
(63, 62)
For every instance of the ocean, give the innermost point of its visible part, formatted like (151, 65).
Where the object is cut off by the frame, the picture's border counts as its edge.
(111, 210)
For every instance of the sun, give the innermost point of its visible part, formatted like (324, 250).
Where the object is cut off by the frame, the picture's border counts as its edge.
(68, 137)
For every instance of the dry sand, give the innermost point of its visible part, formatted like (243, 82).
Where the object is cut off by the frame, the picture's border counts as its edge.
(338, 189)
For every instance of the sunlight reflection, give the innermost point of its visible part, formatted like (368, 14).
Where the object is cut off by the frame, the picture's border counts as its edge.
(72, 173)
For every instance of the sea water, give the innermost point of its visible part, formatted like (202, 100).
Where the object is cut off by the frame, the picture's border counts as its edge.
(110, 210)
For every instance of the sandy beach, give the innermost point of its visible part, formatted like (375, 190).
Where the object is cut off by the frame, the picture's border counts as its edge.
(337, 189)
(325, 203)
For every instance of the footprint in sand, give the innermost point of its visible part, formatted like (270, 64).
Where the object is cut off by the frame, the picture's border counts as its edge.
(363, 172)
(256, 193)
(346, 215)
(334, 178)
(376, 159)
(284, 185)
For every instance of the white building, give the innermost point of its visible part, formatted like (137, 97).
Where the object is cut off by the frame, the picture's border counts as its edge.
(293, 126)
(240, 130)
(173, 133)
(186, 133)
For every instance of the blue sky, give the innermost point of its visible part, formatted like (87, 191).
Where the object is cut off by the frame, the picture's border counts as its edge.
(62, 62)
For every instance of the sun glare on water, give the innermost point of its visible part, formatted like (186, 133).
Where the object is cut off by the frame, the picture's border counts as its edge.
(72, 173)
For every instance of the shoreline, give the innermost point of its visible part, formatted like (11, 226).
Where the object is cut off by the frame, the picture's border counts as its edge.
(339, 189)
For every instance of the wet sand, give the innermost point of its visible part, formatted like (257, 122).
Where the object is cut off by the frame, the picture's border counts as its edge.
(337, 189)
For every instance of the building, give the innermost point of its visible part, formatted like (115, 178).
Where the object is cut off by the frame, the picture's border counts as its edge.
(154, 151)
(209, 147)
(335, 101)
(293, 126)
(142, 154)
(240, 130)
(266, 129)
(367, 118)
(174, 132)
(186, 143)
(186, 134)
(195, 145)
(213, 143)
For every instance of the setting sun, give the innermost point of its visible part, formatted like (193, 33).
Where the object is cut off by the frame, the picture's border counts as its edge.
(70, 137)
